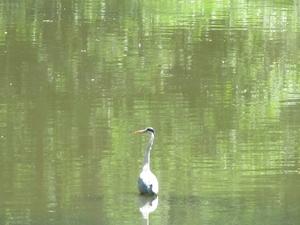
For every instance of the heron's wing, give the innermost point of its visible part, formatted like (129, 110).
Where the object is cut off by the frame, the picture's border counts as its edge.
(147, 183)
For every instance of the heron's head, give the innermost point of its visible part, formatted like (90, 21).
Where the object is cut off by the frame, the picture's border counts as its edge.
(148, 130)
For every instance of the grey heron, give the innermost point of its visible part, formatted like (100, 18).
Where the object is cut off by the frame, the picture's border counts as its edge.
(147, 182)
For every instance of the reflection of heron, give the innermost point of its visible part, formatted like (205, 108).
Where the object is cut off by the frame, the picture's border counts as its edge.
(147, 182)
(147, 204)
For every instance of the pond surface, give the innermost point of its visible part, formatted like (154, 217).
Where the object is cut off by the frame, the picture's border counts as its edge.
(218, 81)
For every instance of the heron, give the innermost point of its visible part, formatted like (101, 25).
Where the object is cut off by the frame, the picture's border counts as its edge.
(147, 182)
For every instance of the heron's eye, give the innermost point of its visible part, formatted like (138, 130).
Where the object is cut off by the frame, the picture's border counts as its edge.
(150, 129)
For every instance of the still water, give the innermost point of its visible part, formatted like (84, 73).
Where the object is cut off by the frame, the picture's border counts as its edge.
(218, 80)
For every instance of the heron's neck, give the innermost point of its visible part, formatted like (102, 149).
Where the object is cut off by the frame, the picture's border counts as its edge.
(146, 165)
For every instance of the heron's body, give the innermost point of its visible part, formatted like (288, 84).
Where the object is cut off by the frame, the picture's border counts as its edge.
(147, 182)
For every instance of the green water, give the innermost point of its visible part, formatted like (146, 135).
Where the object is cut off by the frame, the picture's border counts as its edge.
(218, 81)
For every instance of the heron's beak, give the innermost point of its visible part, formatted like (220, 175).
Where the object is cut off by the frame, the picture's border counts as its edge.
(140, 131)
